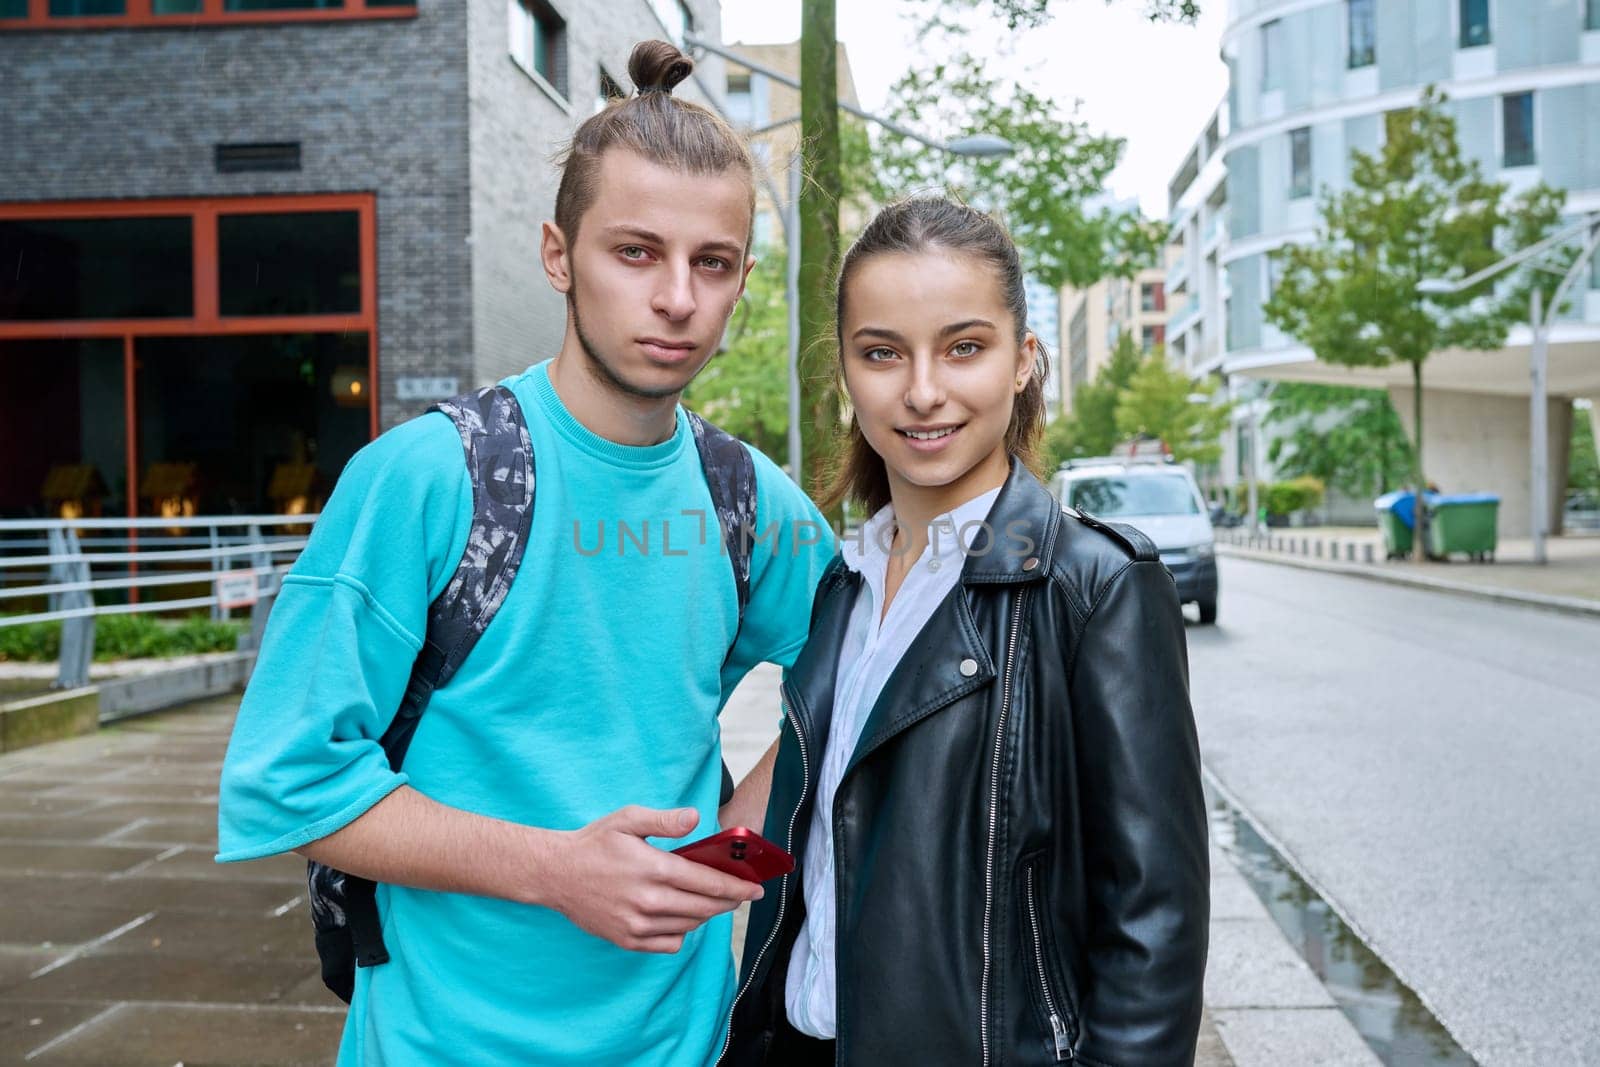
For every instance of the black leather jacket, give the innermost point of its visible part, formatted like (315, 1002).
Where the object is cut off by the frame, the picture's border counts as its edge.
(1020, 836)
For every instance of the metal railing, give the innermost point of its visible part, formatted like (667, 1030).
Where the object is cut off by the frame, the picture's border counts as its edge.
(77, 570)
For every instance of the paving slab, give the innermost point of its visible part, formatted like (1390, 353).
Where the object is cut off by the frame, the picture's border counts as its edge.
(25, 1026)
(43, 858)
(140, 1035)
(1304, 1037)
(109, 977)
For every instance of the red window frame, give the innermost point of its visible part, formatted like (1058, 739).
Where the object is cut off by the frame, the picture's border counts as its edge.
(211, 13)
(207, 319)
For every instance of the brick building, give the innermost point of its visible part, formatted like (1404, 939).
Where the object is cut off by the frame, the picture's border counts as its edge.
(241, 237)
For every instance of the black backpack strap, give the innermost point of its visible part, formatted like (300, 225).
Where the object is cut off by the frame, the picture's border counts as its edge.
(731, 477)
(499, 455)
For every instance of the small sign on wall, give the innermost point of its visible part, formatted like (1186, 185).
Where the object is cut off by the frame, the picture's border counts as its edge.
(426, 388)
(236, 589)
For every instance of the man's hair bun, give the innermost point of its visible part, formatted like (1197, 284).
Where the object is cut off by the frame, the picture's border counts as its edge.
(657, 66)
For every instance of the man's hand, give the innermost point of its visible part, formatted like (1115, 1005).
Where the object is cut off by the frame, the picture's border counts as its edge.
(610, 882)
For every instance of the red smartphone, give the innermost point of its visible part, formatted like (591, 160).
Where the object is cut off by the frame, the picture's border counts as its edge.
(741, 852)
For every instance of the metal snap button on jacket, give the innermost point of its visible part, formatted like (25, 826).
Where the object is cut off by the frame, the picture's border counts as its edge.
(969, 667)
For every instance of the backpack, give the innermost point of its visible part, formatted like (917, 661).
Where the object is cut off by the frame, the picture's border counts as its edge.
(499, 456)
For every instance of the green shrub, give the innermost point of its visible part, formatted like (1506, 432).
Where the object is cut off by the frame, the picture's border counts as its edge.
(32, 642)
(198, 634)
(123, 637)
(1296, 494)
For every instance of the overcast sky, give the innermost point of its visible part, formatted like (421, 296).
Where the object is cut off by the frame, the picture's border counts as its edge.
(1154, 84)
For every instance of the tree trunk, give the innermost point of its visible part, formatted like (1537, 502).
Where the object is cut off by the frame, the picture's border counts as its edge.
(819, 235)
(1420, 538)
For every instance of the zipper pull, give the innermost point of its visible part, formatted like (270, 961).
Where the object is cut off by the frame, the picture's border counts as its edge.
(1063, 1049)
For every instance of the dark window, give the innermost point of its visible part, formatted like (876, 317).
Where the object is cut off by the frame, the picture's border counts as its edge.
(1518, 111)
(1300, 163)
(292, 264)
(13, 9)
(1272, 55)
(539, 42)
(741, 105)
(96, 268)
(62, 428)
(245, 424)
(1149, 299)
(1474, 23)
(1591, 15)
(86, 8)
(1149, 337)
(1363, 33)
(175, 7)
(675, 16)
(278, 5)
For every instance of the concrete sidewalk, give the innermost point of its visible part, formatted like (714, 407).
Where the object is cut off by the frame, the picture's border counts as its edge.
(1569, 581)
(121, 942)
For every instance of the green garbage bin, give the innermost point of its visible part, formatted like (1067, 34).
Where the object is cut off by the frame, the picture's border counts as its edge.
(1394, 522)
(1463, 523)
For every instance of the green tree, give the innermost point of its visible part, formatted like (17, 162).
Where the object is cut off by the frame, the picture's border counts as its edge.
(1350, 439)
(1091, 427)
(1583, 466)
(821, 189)
(1157, 404)
(1417, 209)
(1045, 190)
(1031, 14)
(745, 387)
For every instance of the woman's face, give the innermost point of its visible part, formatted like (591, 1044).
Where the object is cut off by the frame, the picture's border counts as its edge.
(933, 367)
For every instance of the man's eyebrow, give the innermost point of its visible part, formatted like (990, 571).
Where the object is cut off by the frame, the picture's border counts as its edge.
(731, 249)
(648, 236)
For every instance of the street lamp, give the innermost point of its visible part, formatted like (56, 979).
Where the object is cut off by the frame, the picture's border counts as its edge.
(973, 146)
(1540, 319)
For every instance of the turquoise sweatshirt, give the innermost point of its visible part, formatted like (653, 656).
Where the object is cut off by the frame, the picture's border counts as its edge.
(597, 685)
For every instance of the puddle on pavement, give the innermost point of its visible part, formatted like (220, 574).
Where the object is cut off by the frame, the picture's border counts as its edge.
(1386, 1012)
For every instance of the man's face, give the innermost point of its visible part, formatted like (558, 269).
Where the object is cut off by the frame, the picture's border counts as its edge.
(658, 264)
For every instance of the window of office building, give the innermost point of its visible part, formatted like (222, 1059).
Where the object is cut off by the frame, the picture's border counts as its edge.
(87, 268)
(1474, 23)
(1517, 112)
(539, 41)
(95, 14)
(198, 355)
(1300, 162)
(741, 106)
(1152, 296)
(1363, 23)
(1151, 336)
(676, 17)
(1272, 55)
(609, 90)
(1591, 15)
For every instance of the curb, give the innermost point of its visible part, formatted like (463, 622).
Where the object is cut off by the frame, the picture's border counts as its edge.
(1561, 604)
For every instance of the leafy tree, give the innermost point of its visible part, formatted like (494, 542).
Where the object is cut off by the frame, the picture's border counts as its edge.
(1417, 209)
(1031, 14)
(1091, 427)
(1157, 404)
(1583, 467)
(1044, 190)
(820, 192)
(1350, 439)
(745, 387)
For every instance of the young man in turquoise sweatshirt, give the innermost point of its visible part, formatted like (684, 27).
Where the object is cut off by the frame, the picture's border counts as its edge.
(527, 916)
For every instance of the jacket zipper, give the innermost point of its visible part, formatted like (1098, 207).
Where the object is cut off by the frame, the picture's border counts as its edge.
(1058, 1029)
(994, 806)
(783, 884)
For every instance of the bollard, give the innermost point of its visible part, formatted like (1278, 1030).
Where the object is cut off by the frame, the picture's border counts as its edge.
(1366, 553)
(1350, 552)
(1316, 549)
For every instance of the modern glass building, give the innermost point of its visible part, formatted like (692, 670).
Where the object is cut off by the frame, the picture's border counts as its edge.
(1311, 81)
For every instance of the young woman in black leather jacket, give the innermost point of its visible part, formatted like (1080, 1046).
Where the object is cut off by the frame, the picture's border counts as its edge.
(988, 769)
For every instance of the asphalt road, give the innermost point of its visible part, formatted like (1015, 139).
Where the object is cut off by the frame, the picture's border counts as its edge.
(1432, 764)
